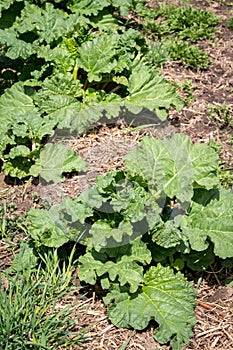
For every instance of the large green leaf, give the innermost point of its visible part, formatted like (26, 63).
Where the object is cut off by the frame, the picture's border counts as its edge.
(14, 103)
(56, 159)
(168, 234)
(205, 164)
(148, 89)
(211, 222)
(60, 84)
(165, 297)
(89, 7)
(91, 262)
(61, 109)
(92, 112)
(48, 23)
(97, 56)
(16, 47)
(170, 166)
(60, 224)
(47, 227)
(17, 167)
(128, 272)
(32, 126)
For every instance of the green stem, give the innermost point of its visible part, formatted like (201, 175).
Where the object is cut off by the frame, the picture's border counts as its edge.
(75, 73)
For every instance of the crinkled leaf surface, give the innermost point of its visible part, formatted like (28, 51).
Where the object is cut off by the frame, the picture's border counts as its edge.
(137, 250)
(49, 23)
(127, 271)
(54, 160)
(165, 297)
(32, 126)
(89, 7)
(123, 265)
(17, 167)
(148, 89)
(103, 235)
(16, 47)
(205, 164)
(97, 56)
(91, 262)
(14, 102)
(169, 166)
(60, 84)
(76, 209)
(47, 227)
(60, 224)
(60, 108)
(18, 151)
(168, 234)
(213, 222)
(91, 113)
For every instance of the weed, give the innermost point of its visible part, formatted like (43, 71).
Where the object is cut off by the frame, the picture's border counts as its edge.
(10, 224)
(183, 21)
(230, 23)
(189, 55)
(220, 114)
(158, 54)
(226, 177)
(188, 88)
(172, 26)
(32, 315)
(216, 146)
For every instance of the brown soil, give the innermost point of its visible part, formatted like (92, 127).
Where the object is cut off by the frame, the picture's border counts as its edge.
(104, 149)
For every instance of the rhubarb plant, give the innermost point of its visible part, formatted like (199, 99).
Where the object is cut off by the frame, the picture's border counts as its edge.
(143, 226)
(73, 63)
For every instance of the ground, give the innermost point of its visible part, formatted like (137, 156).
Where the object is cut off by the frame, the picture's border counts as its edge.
(104, 149)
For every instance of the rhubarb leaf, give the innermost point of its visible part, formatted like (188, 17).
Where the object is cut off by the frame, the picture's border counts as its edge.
(56, 159)
(212, 222)
(97, 56)
(165, 297)
(148, 89)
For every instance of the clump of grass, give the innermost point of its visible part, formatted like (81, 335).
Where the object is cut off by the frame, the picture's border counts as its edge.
(32, 315)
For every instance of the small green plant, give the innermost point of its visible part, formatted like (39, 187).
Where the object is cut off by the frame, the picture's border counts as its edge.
(226, 177)
(31, 313)
(225, 173)
(230, 23)
(189, 55)
(220, 114)
(10, 223)
(187, 87)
